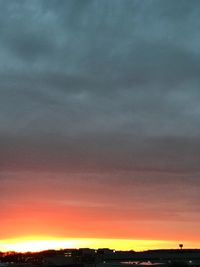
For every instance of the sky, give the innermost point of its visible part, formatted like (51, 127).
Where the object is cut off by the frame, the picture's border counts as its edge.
(99, 122)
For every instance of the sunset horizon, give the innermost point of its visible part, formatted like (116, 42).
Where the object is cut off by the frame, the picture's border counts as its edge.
(37, 244)
(99, 125)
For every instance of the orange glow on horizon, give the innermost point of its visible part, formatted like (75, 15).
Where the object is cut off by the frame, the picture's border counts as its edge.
(34, 244)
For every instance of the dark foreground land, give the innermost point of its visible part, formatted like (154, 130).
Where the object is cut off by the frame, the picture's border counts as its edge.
(102, 258)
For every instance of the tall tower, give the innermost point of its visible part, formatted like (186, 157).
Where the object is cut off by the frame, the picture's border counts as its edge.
(181, 246)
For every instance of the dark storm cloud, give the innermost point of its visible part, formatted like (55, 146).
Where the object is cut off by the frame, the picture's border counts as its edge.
(117, 79)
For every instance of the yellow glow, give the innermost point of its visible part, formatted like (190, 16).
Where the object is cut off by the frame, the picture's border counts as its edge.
(44, 243)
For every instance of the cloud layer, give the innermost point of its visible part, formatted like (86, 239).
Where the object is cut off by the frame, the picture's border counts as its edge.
(108, 89)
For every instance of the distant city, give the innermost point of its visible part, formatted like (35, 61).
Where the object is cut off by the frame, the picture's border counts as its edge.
(104, 257)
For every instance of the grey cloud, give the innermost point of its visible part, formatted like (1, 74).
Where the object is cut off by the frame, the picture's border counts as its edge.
(73, 106)
(123, 73)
